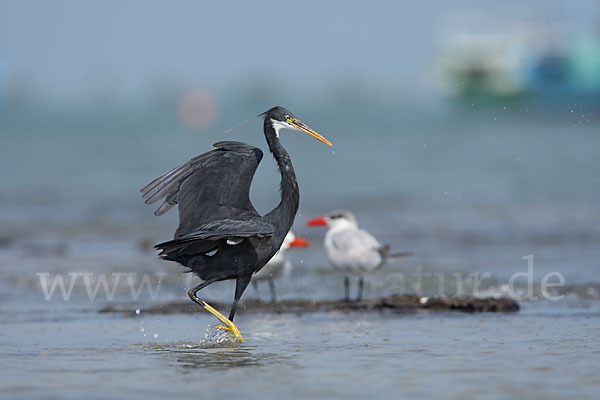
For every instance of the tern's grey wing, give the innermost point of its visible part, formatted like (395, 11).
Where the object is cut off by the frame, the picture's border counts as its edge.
(209, 187)
(353, 249)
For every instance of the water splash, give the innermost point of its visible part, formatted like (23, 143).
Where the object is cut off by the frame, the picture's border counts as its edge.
(219, 337)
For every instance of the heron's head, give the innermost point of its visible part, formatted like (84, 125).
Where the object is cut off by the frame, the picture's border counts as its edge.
(338, 218)
(280, 118)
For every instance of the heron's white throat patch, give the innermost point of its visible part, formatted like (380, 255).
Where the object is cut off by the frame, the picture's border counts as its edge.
(279, 125)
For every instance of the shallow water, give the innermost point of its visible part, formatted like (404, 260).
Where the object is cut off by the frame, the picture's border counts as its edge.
(545, 350)
(467, 197)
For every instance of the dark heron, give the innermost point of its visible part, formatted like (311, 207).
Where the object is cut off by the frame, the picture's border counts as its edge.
(221, 235)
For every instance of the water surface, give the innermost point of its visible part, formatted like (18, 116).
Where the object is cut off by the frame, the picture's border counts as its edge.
(467, 196)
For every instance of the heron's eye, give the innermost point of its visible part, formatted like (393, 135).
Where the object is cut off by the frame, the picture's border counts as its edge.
(289, 119)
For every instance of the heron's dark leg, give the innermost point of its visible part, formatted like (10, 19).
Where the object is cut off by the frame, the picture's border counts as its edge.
(241, 284)
(272, 287)
(360, 289)
(347, 287)
(192, 292)
(255, 286)
(228, 324)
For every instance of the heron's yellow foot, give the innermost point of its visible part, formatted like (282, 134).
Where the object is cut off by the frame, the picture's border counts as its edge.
(221, 327)
(228, 325)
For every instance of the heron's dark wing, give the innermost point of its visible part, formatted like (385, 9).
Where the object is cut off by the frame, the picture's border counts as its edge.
(207, 237)
(228, 229)
(232, 228)
(212, 186)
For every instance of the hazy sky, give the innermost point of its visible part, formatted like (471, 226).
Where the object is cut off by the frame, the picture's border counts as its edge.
(71, 48)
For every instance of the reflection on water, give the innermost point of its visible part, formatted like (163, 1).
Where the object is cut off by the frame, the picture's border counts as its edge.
(227, 358)
(216, 355)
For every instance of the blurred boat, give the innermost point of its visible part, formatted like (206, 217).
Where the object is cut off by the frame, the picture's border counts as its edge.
(530, 63)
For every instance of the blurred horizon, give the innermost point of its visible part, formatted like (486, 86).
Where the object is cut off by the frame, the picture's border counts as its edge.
(67, 52)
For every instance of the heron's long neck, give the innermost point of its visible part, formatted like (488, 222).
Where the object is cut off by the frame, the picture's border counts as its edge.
(290, 196)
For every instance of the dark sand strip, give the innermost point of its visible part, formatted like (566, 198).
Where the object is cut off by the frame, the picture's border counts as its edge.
(395, 303)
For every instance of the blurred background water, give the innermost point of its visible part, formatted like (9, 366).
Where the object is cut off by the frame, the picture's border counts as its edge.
(465, 132)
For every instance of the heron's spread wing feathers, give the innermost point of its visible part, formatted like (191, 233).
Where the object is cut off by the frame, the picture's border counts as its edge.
(170, 182)
(212, 186)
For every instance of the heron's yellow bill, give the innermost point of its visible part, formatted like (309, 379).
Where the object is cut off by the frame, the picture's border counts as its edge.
(301, 126)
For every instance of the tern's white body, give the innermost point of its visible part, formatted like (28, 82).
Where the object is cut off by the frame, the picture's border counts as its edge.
(352, 250)
(279, 265)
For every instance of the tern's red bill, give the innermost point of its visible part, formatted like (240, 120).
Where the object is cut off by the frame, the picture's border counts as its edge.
(319, 221)
(299, 242)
